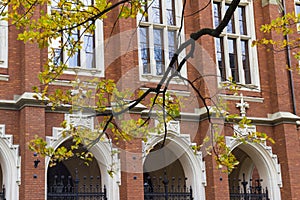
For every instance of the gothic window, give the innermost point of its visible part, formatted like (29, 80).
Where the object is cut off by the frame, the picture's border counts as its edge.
(235, 57)
(90, 56)
(158, 36)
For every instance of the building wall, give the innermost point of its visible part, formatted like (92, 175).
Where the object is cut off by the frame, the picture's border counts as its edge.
(270, 108)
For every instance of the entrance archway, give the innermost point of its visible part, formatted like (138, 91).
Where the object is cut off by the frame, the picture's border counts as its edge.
(258, 167)
(176, 162)
(10, 165)
(74, 177)
(102, 162)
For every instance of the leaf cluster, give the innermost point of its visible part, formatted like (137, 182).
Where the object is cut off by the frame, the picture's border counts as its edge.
(286, 26)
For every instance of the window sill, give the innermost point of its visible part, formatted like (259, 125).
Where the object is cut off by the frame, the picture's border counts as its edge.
(4, 77)
(157, 78)
(244, 87)
(84, 72)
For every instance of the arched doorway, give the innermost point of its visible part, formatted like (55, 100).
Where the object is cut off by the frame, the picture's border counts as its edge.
(2, 187)
(74, 178)
(10, 168)
(168, 181)
(175, 167)
(103, 157)
(245, 181)
(258, 169)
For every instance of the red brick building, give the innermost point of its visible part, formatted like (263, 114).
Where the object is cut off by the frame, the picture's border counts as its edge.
(134, 53)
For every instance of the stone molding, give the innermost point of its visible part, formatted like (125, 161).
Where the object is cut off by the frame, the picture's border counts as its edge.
(10, 163)
(191, 161)
(103, 153)
(264, 159)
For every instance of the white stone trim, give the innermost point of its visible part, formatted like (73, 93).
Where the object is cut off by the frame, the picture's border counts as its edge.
(267, 2)
(102, 152)
(266, 163)
(238, 98)
(4, 77)
(172, 92)
(10, 162)
(192, 163)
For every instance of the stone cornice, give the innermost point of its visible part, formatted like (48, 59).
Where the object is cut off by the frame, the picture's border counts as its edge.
(275, 119)
(267, 2)
(24, 100)
(238, 98)
(200, 114)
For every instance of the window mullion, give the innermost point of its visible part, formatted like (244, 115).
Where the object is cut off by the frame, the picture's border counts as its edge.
(82, 54)
(166, 47)
(240, 61)
(65, 44)
(163, 12)
(151, 50)
(236, 22)
(226, 57)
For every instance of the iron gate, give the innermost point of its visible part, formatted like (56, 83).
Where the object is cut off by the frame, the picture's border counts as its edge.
(255, 192)
(2, 193)
(66, 189)
(159, 189)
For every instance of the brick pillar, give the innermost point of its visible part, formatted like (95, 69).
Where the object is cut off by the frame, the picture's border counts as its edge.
(32, 122)
(217, 182)
(132, 185)
(276, 83)
(288, 152)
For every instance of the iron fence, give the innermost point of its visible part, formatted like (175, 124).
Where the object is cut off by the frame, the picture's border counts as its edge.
(2, 193)
(159, 189)
(255, 192)
(67, 189)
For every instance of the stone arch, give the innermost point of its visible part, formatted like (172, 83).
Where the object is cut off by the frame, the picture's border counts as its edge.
(192, 164)
(10, 165)
(266, 163)
(106, 161)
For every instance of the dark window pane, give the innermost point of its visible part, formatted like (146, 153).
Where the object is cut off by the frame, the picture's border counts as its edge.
(74, 61)
(230, 26)
(158, 51)
(220, 58)
(144, 46)
(156, 12)
(217, 13)
(297, 9)
(172, 45)
(242, 20)
(57, 56)
(89, 47)
(170, 12)
(245, 59)
(233, 59)
(145, 17)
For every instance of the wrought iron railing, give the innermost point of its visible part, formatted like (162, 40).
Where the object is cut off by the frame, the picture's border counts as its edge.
(2, 193)
(255, 192)
(67, 189)
(160, 189)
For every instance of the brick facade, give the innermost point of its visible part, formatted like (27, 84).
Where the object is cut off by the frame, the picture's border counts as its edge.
(270, 108)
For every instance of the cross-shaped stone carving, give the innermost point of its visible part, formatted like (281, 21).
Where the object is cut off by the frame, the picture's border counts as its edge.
(242, 105)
